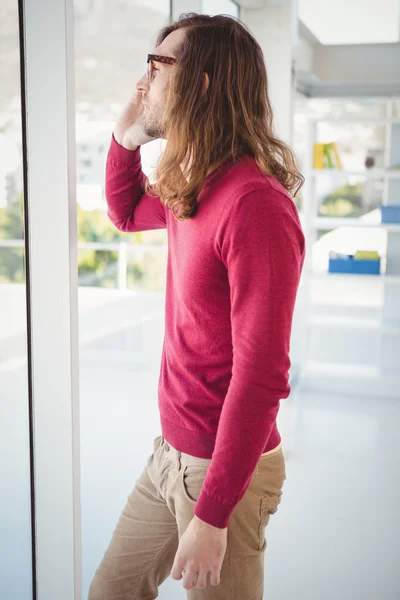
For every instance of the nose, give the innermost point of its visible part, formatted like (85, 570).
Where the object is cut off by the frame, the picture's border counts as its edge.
(143, 84)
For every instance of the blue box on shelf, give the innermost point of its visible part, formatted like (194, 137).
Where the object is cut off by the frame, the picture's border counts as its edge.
(390, 213)
(349, 264)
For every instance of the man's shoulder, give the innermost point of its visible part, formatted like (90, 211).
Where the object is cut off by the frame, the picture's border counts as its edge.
(246, 179)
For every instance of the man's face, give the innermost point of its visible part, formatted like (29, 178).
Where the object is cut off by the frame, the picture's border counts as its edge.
(154, 92)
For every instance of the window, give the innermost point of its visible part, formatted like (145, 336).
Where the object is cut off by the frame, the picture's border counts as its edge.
(121, 276)
(220, 7)
(15, 539)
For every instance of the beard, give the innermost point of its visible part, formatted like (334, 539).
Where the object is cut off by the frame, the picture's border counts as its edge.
(152, 123)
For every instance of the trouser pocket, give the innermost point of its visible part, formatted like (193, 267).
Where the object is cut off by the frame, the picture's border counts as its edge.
(192, 479)
(268, 506)
(270, 478)
(157, 443)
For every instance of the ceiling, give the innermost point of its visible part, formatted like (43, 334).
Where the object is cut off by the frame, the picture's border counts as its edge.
(335, 22)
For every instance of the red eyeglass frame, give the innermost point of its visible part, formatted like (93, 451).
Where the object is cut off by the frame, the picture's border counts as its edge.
(166, 60)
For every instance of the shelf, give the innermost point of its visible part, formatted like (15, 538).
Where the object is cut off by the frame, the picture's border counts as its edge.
(363, 323)
(343, 378)
(371, 174)
(357, 276)
(350, 322)
(356, 319)
(343, 369)
(326, 223)
(344, 120)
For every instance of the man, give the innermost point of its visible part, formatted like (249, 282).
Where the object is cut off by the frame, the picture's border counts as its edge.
(235, 253)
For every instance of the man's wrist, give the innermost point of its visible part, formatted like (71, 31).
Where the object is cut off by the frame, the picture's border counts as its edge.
(124, 143)
(206, 525)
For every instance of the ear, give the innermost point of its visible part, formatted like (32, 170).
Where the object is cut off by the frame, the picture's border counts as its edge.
(206, 83)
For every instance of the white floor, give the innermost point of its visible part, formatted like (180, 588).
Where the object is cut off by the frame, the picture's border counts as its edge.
(337, 532)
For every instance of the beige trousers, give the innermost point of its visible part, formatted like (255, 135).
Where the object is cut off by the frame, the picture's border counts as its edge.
(144, 543)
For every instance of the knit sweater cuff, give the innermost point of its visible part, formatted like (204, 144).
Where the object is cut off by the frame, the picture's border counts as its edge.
(213, 512)
(130, 158)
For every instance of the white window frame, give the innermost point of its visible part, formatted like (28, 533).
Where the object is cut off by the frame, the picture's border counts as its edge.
(47, 59)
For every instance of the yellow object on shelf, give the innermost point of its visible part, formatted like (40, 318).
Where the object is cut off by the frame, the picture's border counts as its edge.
(338, 162)
(366, 254)
(319, 162)
(326, 156)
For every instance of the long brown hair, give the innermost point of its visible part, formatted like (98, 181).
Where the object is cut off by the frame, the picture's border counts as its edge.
(231, 119)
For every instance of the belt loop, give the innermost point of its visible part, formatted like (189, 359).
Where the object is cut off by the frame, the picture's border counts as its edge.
(179, 461)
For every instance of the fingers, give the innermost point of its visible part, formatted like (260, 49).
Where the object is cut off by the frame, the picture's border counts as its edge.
(193, 579)
(215, 578)
(176, 572)
(189, 579)
(202, 580)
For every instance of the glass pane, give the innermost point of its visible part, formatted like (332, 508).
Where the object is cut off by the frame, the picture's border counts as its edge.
(340, 195)
(15, 497)
(347, 240)
(147, 266)
(340, 298)
(340, 107)
(355, 142)
(97, 268)
(396, 107)
(331, 108)
(121, 276)
(220, 7)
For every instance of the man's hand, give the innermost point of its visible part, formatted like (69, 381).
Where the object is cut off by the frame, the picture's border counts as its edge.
(128, 130)
(201, 551)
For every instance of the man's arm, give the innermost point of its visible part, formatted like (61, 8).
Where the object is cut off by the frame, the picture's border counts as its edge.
(263, 252)
(129, 208)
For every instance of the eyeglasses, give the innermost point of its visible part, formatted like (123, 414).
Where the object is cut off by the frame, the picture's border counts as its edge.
(152, 58)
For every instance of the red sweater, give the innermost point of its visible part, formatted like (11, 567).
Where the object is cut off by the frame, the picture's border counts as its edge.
(232, 277)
